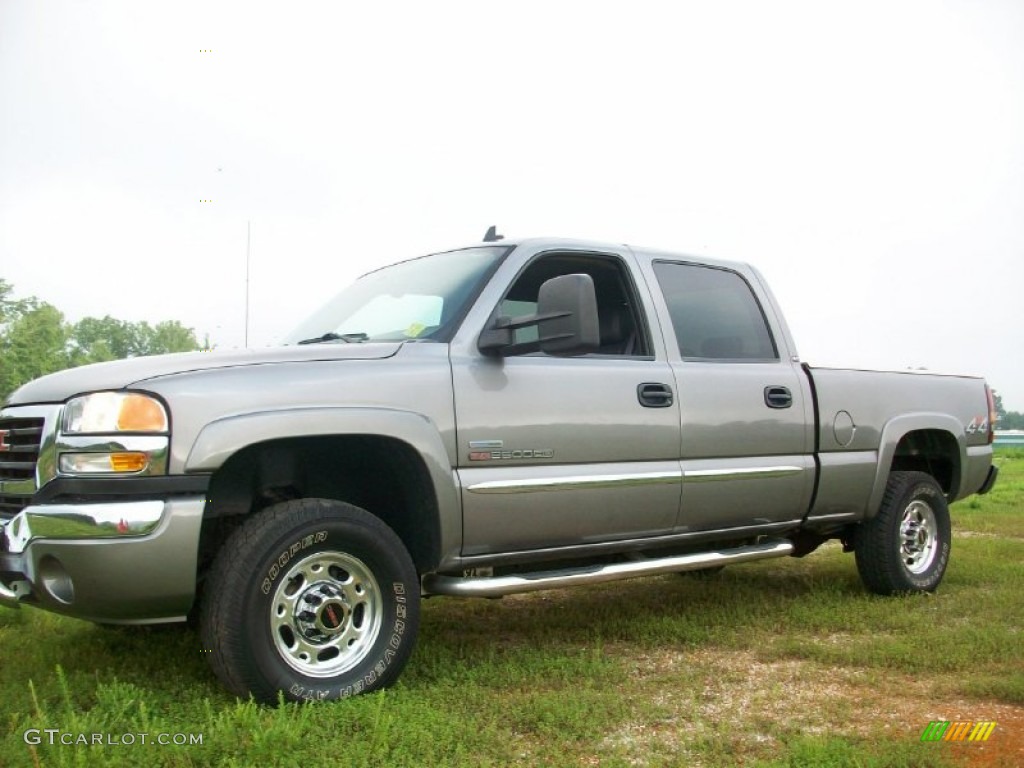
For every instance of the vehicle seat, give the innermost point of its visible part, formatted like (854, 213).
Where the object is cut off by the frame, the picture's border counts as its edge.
(618, 334)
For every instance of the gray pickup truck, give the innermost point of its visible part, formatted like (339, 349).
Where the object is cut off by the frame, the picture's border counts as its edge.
(501, 418)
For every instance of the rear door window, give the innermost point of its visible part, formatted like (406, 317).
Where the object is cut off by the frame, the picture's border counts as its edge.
(715, 314)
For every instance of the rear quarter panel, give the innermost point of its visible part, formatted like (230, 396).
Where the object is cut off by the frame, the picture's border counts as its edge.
(863, 415)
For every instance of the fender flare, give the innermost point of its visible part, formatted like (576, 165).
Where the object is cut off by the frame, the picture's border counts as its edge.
(222, 438)
(898, 428)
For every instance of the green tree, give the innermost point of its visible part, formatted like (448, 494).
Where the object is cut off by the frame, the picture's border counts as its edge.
(998, 400)
(172, 336)
(32, 343)
(97, 339)
(1006, 419)
(7, 304)
(1011, 420)
(35, 339)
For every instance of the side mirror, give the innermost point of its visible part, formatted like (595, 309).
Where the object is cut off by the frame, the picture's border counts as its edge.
(567, 311)
(566, 321)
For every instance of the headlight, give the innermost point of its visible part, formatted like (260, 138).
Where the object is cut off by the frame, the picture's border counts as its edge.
(105, 412)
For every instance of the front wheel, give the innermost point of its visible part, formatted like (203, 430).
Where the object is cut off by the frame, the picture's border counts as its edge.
(313, 599)
(905, 547)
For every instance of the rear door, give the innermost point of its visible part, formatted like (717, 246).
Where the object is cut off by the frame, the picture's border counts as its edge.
(745, 409)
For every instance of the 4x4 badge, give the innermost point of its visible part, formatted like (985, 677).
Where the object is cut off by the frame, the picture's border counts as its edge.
(978, 424)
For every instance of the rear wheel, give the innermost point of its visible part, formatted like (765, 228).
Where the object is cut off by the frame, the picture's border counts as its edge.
(314, 599)
(905, 547)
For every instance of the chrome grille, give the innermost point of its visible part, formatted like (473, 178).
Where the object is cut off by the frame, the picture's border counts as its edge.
(20, 441)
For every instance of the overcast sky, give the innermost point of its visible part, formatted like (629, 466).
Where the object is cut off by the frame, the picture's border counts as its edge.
(868, 157)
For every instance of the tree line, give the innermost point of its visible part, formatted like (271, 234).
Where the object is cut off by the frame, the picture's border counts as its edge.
(1007, 419)
(35, 339)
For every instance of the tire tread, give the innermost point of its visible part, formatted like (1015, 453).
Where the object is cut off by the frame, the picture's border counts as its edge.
(235, 566)
(878, 561)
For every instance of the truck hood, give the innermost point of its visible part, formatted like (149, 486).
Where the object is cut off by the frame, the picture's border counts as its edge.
(134, 372)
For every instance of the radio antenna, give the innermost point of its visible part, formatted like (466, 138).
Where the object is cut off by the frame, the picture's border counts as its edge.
(248, 242)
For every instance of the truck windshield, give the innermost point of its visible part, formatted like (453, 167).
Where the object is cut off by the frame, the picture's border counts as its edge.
(419, 299)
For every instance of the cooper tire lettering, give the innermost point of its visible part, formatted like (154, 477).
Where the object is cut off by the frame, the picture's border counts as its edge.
(334, 615)
(285, 557)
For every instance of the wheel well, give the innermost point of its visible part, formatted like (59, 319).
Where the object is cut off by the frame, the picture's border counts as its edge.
(933, 451)
(384, 476)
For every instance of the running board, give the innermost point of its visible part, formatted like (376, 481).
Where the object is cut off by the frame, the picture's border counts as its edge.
(497, 586)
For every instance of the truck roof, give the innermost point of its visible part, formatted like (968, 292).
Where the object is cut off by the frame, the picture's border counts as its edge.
(597, 245)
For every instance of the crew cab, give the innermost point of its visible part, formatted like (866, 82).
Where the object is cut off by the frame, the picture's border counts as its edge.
(500, 418)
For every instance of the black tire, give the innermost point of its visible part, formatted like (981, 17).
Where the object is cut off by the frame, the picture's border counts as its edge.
(905, 547)
(314, 599)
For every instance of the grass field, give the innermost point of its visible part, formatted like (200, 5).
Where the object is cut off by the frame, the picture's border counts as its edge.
(782, 663)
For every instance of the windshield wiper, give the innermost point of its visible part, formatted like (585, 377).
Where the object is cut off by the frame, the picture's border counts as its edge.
(348, 338)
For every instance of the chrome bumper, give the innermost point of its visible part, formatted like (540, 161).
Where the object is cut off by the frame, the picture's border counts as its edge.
(82, 521)
(117, 562)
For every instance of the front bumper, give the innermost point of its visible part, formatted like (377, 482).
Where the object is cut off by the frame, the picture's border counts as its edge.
(117, 562)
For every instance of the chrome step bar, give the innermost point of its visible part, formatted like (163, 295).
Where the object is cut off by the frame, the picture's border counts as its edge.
(11, 597)
(8, 597)
(497, 586)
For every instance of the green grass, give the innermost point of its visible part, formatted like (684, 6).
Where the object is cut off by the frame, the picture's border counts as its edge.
(780, 663)
(998, 511)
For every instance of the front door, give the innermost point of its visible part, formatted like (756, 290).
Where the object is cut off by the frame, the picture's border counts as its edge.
(557, 451)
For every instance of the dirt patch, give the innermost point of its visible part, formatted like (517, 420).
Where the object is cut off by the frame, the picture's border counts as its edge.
(755, 704)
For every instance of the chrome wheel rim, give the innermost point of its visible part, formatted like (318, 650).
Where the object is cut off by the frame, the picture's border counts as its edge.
(919, 537)
(326, 614)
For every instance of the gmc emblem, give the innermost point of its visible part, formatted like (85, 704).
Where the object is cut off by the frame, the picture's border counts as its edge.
(4, 445)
